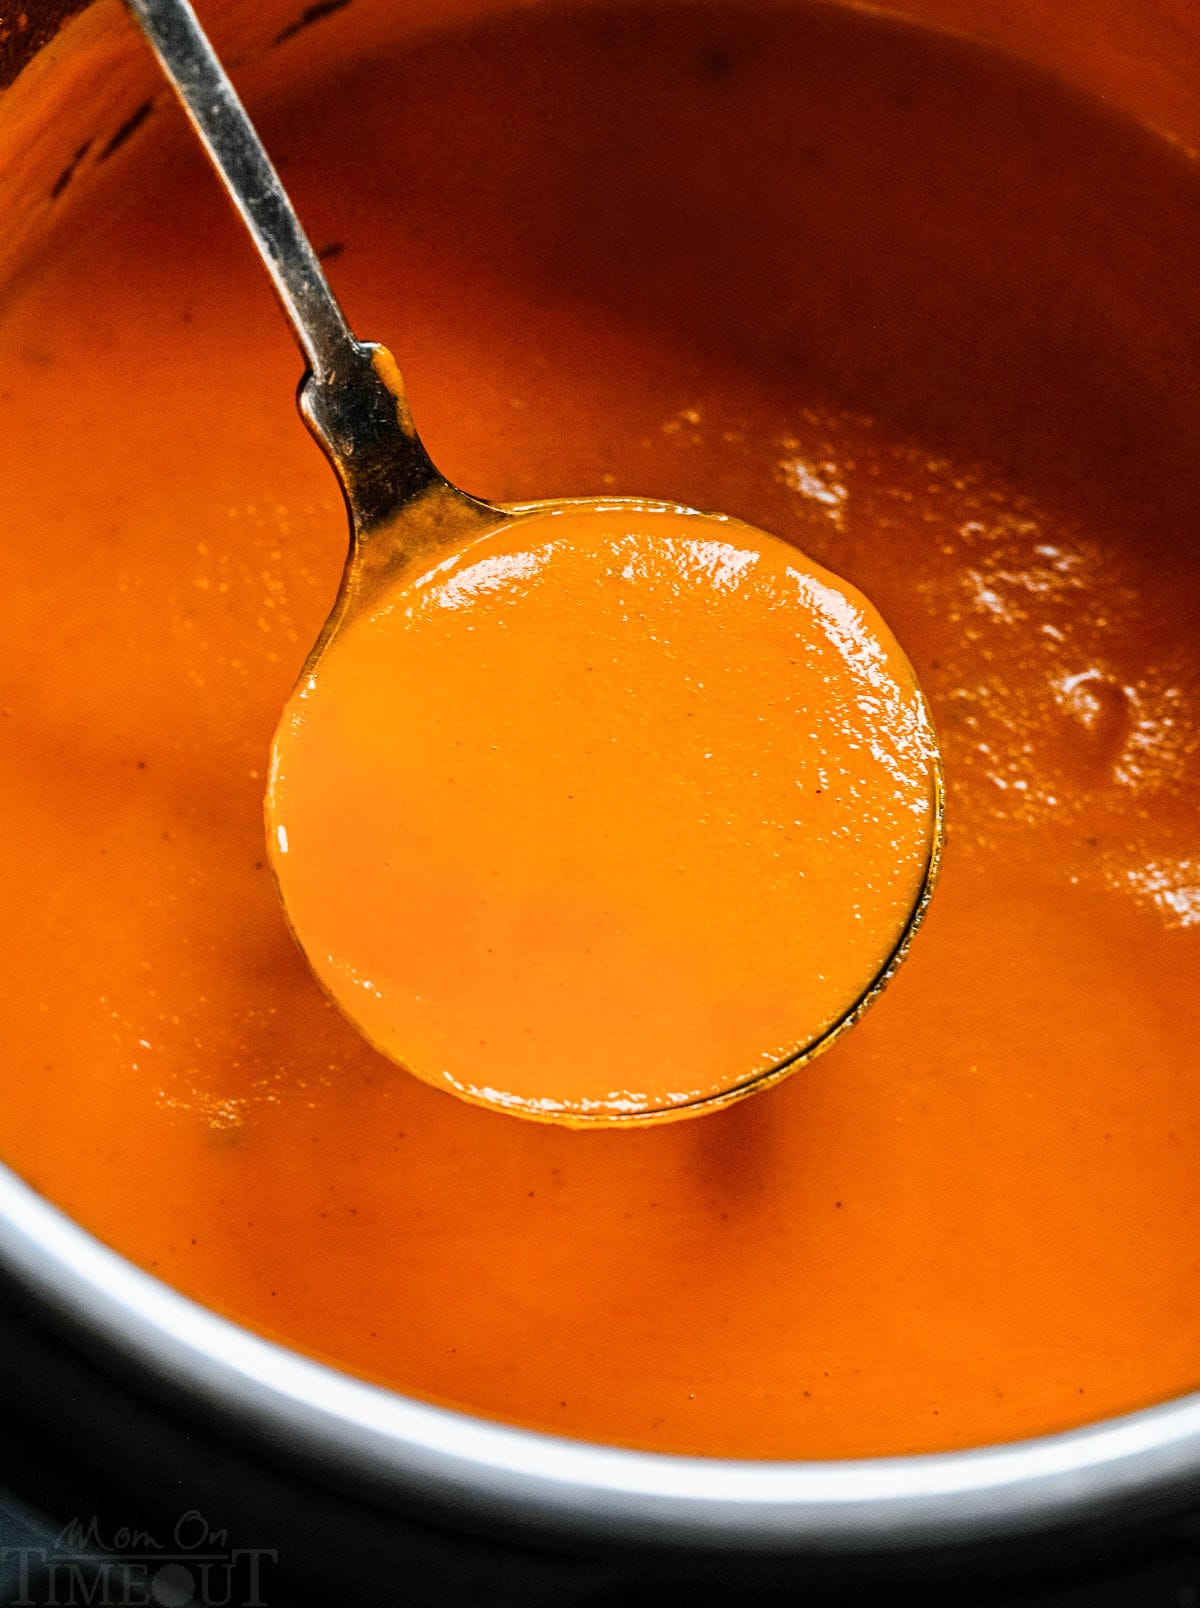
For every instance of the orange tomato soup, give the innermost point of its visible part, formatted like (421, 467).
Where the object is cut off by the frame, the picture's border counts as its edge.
(912, 309)
(608, 813)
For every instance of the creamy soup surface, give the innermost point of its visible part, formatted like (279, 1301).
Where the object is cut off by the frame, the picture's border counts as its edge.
(908, 307)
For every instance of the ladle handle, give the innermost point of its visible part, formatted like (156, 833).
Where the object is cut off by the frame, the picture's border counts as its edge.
(353, 397)
(237, 153)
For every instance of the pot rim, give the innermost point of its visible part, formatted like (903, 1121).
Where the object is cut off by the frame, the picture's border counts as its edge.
(401, 1450)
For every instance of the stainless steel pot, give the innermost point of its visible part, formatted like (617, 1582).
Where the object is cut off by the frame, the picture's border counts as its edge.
(390, 1457)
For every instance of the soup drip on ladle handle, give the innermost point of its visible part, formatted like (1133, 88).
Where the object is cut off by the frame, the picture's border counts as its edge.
(352, 397)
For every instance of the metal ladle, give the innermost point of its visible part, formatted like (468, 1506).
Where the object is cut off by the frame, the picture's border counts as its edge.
(352, 399)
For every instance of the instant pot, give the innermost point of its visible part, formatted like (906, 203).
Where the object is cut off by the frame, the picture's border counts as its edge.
(191, 1450)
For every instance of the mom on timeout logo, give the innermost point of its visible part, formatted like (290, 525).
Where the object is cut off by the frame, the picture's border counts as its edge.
(194, 1567)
